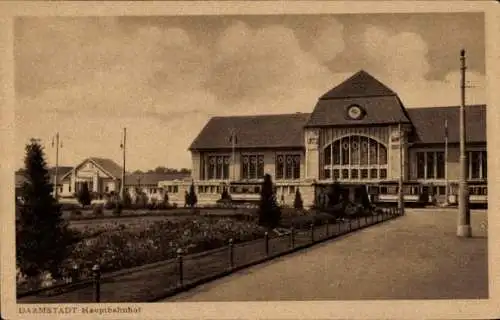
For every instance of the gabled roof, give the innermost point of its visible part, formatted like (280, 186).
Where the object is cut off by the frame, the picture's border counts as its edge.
(429, 123)
(152, 178)
(261, 131)
(107, 165)
(379, 104)
(361, 84)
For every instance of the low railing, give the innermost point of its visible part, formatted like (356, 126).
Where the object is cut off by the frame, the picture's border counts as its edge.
(187, 271)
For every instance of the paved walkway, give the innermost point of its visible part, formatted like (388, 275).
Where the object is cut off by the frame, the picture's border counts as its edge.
(417, 256)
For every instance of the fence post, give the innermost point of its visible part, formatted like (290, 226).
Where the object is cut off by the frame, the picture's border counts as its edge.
(266, 240)
(359, 222)
(338, 226)
(366, 220)
(231, 254)
(350, 224)
(312, 232)
(75, 273)
(181, 268)
(327, 229)
(292, 237)
(96, 270)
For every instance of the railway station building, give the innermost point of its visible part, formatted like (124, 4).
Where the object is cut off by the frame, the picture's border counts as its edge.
(352, 135)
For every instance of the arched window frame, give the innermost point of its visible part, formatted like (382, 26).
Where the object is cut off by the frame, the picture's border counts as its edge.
(348, 164)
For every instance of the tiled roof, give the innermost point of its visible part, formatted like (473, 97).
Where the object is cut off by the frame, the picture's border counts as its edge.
(153, 178)
(361, 84)
(429, 123)
(261, 131)
(377, 110)
(380, 105)
(107, 165)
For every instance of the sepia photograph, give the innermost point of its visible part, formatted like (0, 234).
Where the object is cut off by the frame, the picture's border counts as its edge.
(249, 158)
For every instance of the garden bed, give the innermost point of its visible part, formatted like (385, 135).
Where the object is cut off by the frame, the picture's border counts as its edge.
(116, 246)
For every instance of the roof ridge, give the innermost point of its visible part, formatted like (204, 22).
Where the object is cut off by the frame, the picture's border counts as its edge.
(358, 97)
(448, 106)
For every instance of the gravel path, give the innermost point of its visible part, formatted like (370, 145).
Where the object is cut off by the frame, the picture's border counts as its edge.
(417, 256)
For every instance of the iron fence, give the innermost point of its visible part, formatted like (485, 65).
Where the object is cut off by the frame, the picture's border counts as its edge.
(187, 271)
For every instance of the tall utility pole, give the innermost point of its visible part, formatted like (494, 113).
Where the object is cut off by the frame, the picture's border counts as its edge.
(463, 228)
(233, 149)
(401, 173)
(447, 186)
(122, 189)
(56, 176)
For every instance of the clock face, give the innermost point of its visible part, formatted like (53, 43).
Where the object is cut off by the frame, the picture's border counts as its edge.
(355, 112)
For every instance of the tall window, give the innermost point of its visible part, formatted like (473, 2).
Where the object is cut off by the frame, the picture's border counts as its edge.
(288, 166)
(430, 165)
(355, 157)
(252, 166)
(477, 165)
(218, 167)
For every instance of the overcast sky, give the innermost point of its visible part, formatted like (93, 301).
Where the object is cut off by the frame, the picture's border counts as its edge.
(164, 77)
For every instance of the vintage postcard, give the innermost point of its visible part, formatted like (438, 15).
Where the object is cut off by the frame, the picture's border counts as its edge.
(228, 160)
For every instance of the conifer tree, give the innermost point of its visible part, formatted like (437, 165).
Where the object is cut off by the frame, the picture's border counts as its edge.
(43, 240)
(298, 203)
(269, 211)
(192, 198)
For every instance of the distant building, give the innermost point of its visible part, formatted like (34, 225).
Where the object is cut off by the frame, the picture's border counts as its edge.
(152, 184)
(351, 136)
(103, 177)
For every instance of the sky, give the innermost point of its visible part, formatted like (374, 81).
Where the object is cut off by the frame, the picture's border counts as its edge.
(164, 77)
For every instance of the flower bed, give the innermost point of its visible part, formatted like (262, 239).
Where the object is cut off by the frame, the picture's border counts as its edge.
(117, 246)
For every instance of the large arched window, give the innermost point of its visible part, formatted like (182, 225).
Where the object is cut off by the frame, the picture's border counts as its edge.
(355, 158)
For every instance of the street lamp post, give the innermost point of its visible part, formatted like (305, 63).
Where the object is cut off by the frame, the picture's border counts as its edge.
(401, 173)
(56, 173)
(463, 227)
(123, 146)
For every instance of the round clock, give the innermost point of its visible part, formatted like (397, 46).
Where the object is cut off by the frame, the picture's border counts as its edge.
(355, 112)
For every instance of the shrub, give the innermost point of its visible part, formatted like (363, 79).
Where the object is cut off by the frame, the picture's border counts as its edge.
(76, 214)
(110, 205)
(225, 196)
(127, 200)
(117, 211)
(98, 211)
(165, 203)
(84, 196)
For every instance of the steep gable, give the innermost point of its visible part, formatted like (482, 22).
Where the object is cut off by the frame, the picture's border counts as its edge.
(379, 104)
(361, 84)
(106, 166)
